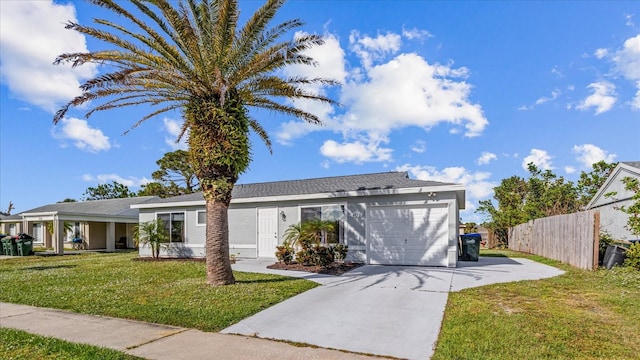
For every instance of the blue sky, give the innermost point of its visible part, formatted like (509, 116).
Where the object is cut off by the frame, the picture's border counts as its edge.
(465, 92)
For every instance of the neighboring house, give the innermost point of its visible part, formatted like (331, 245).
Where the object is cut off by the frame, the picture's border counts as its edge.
(10, 224)
(102, 224)
(384, 218)
(612, 219)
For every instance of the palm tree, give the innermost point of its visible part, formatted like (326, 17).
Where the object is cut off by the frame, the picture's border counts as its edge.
(153, 233)
(197, 59)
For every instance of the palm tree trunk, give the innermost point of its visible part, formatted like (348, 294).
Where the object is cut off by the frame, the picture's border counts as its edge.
(217, 244)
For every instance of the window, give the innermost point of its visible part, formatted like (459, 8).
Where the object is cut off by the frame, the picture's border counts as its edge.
(201, 218)
(174, 224)
(328, 213)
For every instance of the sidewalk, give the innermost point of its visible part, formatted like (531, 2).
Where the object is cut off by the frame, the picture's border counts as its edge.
(154, 341)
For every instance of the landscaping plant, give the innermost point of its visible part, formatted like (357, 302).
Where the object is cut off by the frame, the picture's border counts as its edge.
(632, 259)
(284, 252)
(153, 233)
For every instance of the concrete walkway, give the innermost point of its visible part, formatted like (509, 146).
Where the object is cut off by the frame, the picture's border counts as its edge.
(384, 310)
(153, 341)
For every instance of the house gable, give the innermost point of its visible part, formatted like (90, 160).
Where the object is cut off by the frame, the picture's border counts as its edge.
(613, 191)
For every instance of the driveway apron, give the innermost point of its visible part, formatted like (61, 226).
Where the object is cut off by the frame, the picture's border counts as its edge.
(382, 310)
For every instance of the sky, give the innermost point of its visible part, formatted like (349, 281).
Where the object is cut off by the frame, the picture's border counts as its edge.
(467, 92)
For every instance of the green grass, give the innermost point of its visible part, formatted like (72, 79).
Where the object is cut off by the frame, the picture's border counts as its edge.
(168, 292)
(578, 315)
(19, 345)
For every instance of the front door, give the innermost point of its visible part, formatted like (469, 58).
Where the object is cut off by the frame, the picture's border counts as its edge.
(267, 232)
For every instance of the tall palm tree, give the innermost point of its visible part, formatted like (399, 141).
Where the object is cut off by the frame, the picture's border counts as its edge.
(196, 58)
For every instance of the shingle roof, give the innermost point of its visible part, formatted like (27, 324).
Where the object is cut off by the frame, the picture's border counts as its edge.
(109, 207)
(15, 217)
(336, 184)
(635, 164)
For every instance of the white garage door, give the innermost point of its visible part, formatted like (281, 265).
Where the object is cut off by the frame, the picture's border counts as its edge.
(408, 235)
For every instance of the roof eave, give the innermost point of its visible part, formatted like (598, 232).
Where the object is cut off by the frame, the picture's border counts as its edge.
(458, 189)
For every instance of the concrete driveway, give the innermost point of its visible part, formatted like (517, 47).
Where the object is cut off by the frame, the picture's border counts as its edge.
(382, 310)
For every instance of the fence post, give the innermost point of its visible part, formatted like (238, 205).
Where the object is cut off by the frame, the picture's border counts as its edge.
(596, 239)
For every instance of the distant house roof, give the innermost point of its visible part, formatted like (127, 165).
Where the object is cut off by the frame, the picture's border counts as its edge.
(623, 169)
(10, 218)
(105, 208)
(327, 185)
(635, 164)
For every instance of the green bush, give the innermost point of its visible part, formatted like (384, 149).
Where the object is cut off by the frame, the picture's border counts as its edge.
(284, 253)
(340, 251)
(605, 240)
(323, 255)
(633, 256)
(305, 256)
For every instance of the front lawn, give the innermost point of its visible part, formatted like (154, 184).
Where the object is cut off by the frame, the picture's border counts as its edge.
(19, 345)
(167, 292)
(578, 315)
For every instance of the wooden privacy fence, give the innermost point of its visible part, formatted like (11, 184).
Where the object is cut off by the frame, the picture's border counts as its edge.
(571, 238)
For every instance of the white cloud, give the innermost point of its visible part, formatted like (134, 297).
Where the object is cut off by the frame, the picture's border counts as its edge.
(27, 52)
(603, 97)
(627, 63)
(486, 158)
(588, 154)
(569, 169)
(555, 71)
(629, 20)
(601, 53)
(419, 147)
(371, 49)
(408, 91)
(416, 33)
(84, 137)
(477, 184)
(540, 158)
(129, 181)
(330, 59)
(385, 95)
(173, 128)
(356, 152)
(635, 103)
(554, 95)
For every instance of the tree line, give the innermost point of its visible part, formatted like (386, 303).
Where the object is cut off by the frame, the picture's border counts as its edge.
(175, 176)
(518, 200)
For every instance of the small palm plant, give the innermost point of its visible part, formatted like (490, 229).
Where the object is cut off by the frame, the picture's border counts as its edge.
(153, 233)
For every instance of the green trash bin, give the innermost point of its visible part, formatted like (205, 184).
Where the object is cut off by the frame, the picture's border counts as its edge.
(25, 247)
(470, 246)
(9, 246)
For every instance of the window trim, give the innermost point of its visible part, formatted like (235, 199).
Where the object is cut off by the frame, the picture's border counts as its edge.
(184, 223)
(342, 222)
(198, 217)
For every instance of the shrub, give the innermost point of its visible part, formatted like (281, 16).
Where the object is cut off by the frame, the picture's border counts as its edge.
(322, 256)
(305, 256)
(605, 240)
(633, 256)
(284, 253)
(340, 251)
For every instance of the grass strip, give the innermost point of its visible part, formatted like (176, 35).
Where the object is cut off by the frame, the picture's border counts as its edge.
(578, 315)
(167, 292)
(19, 345)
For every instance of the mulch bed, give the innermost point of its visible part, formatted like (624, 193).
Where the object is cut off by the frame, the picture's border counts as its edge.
(149, 258)
(336, 269)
